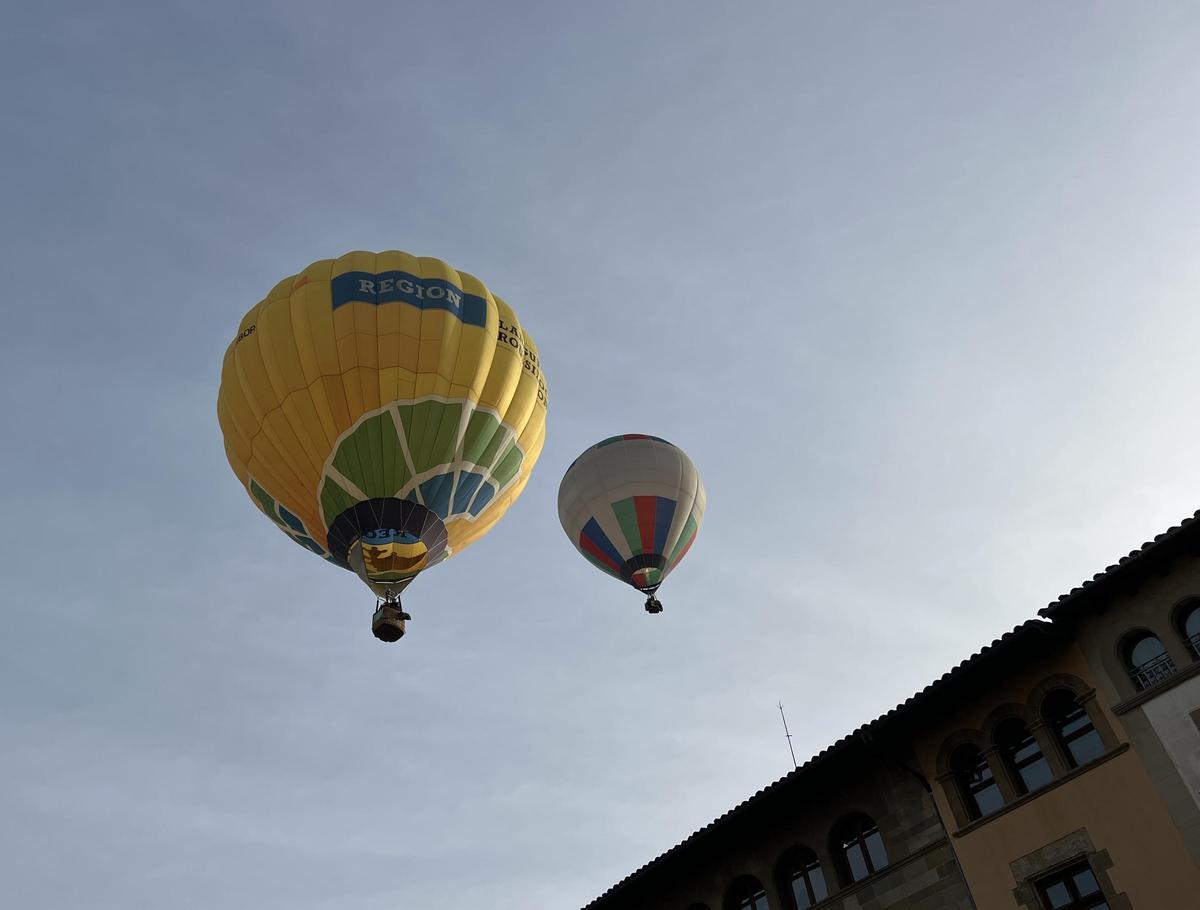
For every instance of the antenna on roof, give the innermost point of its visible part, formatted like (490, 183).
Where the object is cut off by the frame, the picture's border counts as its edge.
(788, 735)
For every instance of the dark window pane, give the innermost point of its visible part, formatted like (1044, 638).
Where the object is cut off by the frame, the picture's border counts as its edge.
(807, 880)
(857, 861)
(1036, 774)
(1086, 748)
(817, 878)
(875, 850)
(1080, 737)
(1149, 662)
(861, 847)
(1146, 650)
(1070, 724)
(979, 791)
(747, 894)
(989, 799)
(1073, 888)
(1191, 631)
(1085, 883)
(1023, 756)
(1058, 895)
(1191, 624)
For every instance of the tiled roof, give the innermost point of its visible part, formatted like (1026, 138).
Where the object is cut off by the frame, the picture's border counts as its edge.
(1021, 634)
(1151, 556)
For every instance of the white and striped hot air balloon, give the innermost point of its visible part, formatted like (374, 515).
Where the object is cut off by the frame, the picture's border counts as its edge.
(632, 505)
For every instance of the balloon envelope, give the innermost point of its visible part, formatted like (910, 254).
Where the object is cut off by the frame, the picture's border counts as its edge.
(383, 411)
(632, 505)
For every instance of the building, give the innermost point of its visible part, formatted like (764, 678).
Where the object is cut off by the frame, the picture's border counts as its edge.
(1057, 769)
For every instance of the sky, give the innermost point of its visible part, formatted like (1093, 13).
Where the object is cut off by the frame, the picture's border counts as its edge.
(914, 284)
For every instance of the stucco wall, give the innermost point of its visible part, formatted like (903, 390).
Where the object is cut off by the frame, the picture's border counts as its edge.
(1114, 801)
(1160, 728)
(1122, 813)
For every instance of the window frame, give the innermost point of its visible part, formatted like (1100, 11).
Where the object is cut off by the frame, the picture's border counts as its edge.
(969, 789)
(1183, 613)
(797, 867)
(746, 893)
(1057, 724)
(1149, 673)
(852, 833)
(1065, 875)
(1009, 749)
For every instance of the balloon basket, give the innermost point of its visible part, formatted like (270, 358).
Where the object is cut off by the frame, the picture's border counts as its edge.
(388, 622)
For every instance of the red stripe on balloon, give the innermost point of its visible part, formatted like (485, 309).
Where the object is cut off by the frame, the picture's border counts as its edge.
(585, 544)
(645, 506)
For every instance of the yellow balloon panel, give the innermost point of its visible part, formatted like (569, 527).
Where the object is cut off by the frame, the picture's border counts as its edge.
(378, 377)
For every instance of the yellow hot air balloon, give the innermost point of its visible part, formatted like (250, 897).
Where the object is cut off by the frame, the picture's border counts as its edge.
(383, 410)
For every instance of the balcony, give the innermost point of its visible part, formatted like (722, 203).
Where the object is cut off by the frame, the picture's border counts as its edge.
(1153, 671)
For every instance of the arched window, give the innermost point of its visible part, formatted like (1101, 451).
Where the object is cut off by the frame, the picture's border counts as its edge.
(1022, 755)
(1188, 620)
(980, 794)
(1071, 726)
(800, 876)
(858, 846)
(1147, 660)
(746, 893)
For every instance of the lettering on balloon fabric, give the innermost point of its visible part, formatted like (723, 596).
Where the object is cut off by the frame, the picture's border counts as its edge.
(510, 334)
(401, 287)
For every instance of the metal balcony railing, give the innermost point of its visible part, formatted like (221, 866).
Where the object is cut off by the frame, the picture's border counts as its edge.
(1193, 644)
(1153, 671)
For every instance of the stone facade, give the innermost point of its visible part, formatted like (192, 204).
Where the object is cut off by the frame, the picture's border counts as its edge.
(802, 811)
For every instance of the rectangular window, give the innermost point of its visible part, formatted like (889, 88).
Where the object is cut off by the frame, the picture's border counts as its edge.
(1073, 888)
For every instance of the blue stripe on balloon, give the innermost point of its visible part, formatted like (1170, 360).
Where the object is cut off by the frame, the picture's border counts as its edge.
(482, 498)
(292, 521)
(308, 543)
(593, 532)
(435, 493)
(468, 483)
(664, 513)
